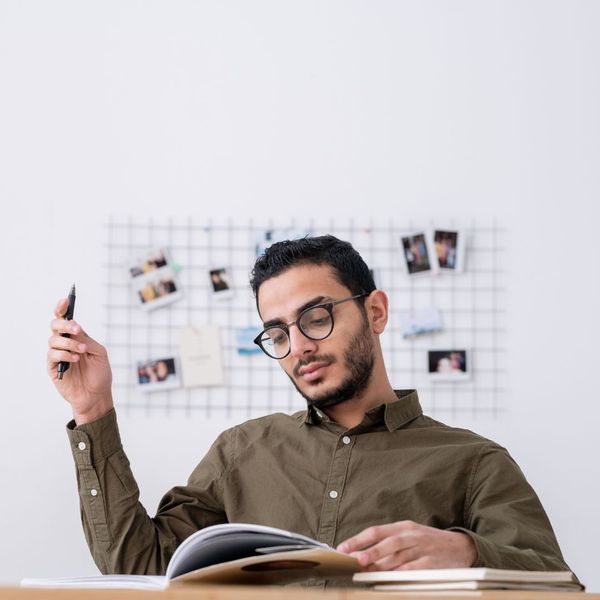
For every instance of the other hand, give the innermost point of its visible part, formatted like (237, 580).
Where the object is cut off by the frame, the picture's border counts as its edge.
(408, 545)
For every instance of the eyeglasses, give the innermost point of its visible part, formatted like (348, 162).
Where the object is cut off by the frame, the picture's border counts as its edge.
(315, 323)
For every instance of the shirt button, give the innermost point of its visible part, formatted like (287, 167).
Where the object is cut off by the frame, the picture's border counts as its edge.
(81, 446)
(333, 494)
(346, 440)
(94, 492)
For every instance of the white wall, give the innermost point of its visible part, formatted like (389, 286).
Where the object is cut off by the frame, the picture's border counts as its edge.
(415, 109)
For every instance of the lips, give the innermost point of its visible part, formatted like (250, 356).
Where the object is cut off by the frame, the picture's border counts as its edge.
(313, 371)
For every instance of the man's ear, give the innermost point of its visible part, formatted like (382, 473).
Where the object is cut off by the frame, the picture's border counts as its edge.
(377, 306)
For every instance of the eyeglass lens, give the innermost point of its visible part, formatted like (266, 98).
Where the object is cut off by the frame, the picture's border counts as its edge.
(315, 323)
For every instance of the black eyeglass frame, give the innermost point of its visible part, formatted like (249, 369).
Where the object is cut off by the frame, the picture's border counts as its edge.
(328, 306)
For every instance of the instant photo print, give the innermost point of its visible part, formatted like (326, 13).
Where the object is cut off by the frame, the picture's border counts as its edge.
(418, 254)
(154, 280)
(158, 374)
(449, 365)
(220, 283)
(154, 260)
(244, 340)
(420, 321)
(450, 249)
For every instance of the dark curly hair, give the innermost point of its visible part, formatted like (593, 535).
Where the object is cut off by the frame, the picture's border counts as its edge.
(347, 264)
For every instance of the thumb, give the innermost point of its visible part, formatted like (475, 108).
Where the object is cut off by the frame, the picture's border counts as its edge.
(61, 308)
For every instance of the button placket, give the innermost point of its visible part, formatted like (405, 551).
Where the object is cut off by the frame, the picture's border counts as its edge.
(334, 489)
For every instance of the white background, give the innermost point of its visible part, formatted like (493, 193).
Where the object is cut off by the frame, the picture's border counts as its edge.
(421, 110)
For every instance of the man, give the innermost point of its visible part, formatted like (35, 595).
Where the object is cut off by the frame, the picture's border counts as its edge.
(361, 469)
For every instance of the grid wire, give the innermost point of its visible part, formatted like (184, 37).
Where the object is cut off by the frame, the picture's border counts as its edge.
(471, 303)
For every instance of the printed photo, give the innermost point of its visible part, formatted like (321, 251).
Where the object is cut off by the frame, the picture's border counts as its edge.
(153, 260)
(154, 280)
(448, 365)
(220, 283)
(449, 249)
(419, 258)
(154, 293)
(158, 374)
(244, 338)
(419, 322)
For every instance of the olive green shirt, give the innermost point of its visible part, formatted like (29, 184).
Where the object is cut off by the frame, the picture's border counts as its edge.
(308, 474)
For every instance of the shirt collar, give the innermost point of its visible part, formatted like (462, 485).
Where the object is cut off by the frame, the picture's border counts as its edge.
(393, 414)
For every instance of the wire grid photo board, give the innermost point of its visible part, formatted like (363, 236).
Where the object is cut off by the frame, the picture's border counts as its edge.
(471, 305)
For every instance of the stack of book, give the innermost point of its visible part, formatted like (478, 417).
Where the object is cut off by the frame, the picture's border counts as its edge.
(428, 580)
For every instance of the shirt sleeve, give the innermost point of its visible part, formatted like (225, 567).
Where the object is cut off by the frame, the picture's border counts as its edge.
(505, 518)
(121, 535)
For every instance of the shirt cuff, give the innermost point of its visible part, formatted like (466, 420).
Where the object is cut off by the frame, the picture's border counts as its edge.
(93, 442)
(485, 554)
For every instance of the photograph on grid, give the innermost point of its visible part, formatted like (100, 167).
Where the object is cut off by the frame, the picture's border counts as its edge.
(448, 365)
(450, 249)
(220, 283)
(418, 254)
(154, 280)
(158, 374)
(152, 260)
(244, 340)
(419, 322)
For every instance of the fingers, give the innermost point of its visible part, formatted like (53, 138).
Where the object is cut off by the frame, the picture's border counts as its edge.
(391, 551)
(58, 342)
(56, 356)
(375, 534)
(62, 326)
(395, 560)
(365, 538)
(421, 563)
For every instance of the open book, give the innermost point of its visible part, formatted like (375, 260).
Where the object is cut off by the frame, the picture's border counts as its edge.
(231, 553)
(469, 579)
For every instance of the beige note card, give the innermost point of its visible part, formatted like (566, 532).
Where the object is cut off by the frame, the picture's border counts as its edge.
(201, 360)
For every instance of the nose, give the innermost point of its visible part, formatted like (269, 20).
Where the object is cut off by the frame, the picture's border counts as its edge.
(300, 345)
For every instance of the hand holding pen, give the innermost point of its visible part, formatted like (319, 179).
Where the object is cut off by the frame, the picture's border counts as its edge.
(87, 384)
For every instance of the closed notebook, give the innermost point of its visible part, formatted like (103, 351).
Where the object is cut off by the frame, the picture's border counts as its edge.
(468, 579)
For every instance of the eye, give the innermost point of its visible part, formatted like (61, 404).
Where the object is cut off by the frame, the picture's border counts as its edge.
(319, 321)
(278, 339)
(275, 337)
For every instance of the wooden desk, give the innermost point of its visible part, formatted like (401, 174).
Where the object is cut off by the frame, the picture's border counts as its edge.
(214, 592)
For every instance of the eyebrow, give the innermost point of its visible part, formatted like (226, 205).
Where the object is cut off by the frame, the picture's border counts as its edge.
(309, 304)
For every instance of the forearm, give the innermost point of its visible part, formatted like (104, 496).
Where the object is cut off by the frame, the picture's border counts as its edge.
(121, 536)
(493, 555)
(506, 519)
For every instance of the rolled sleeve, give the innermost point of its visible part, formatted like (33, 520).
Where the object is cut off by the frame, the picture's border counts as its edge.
(122, 537)
(505, 518)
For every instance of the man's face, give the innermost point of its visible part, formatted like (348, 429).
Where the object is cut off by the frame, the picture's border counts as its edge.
(329, 371)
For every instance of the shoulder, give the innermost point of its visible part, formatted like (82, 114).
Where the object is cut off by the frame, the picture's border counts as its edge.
(439, 433)
(269, 426)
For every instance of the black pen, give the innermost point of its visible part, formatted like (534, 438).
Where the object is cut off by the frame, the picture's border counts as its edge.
(62, 365)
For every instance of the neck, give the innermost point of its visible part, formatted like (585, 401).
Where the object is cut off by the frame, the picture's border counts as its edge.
(352, 412)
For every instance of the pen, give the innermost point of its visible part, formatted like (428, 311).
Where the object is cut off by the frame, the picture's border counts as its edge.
(62, 365)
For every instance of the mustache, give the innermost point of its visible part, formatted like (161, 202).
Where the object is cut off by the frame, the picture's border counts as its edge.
(324, 358)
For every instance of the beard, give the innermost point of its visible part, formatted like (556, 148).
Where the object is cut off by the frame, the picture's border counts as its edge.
(359, 359)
